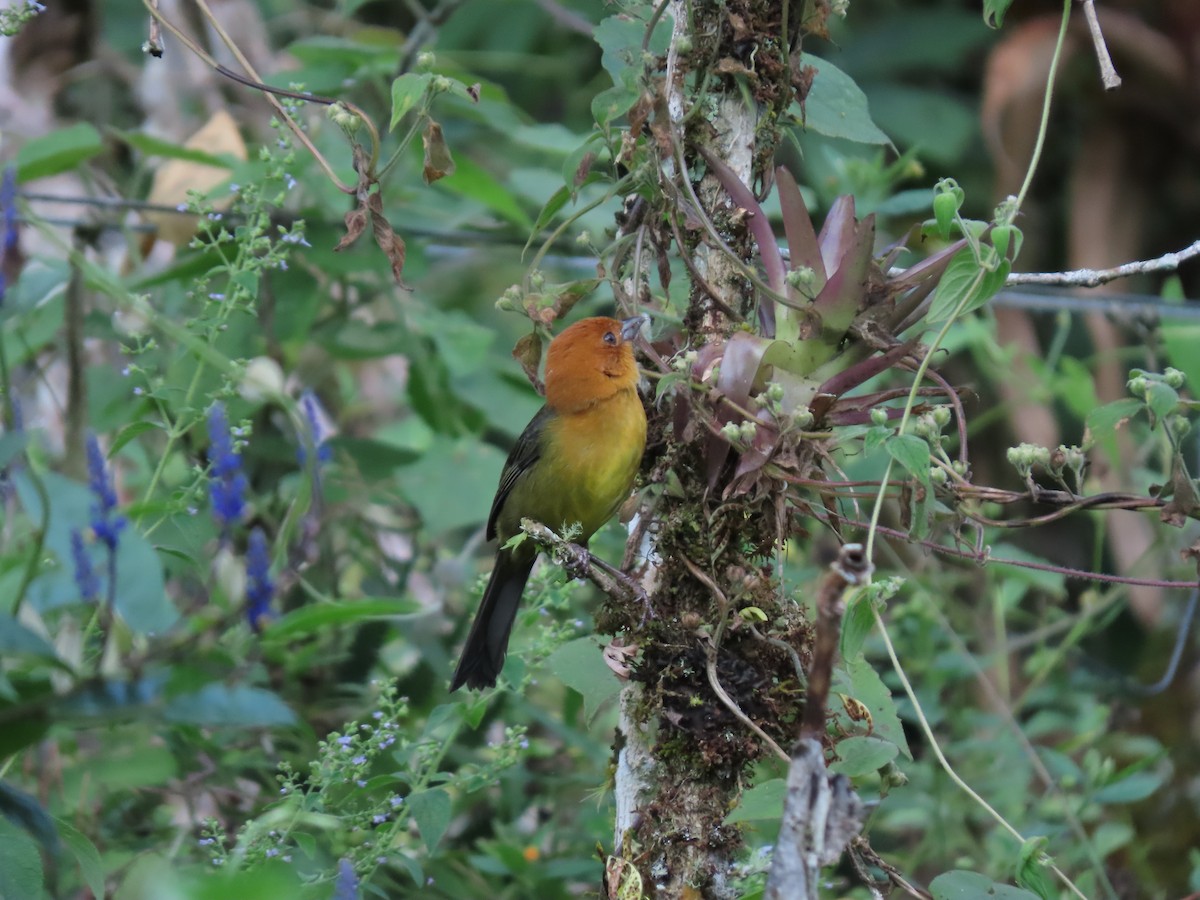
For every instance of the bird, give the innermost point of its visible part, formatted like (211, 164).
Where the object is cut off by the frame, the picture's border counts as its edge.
(575, 462)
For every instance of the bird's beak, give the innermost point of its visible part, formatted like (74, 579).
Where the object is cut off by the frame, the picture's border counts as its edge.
(631, 328)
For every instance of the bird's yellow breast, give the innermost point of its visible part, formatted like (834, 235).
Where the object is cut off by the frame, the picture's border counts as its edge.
(587, 467)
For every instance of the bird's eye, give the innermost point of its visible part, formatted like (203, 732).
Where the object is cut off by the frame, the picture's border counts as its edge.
(610, 338)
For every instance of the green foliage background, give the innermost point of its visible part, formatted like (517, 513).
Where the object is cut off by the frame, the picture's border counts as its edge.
(175, 751)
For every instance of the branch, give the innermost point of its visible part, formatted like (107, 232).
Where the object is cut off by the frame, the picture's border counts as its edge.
(1168, 262)
(1108, 72)
(821, 814)
(581, 564)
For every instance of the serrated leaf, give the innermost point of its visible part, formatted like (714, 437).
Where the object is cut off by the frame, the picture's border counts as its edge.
(431, 811)
(761, 802)
(836, 107)
(580, 665)
(58, 151)
(912, 453)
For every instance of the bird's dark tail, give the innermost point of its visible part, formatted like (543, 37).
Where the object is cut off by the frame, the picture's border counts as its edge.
(487, 644)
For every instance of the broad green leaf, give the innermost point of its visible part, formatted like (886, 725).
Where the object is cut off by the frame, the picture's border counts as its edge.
(130, 432)
(912, 453)
(861, 755)
(452, 484)
(580, 665)
(963, 885)
(406, 91)
(476, 183)
(620, 39)
(965, 286)
(58, 151)
(857, 623)
(140, 596)
(26, 812)
(15, 638)
(222, 704)
(1162, 399)
(461, 342)
(835, 106)
(430, 809)
(86, 856)
(20, 864)
(319, 617)
(940, 124)
(1104, 420)
(860, 680)
(763, 801)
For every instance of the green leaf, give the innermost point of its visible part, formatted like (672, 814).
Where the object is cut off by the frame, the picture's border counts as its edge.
(966, 285)
(580, 665)
(1180, 340)
(860, 680)
(835, 107)
(130, 432)
(761, 802)
(58, 151)
(993, 12)
(1104, 420)
(620, 39)
(406, 91)
(1162, 399)
(141, 597)
(222, 704)
(1032, 868)
(153, 146)
(452, 482)
(318, 617)
(24, 811)
(476, 183)
(16, 638)
(857, 623)
(86, 856)
(1130, 789)
(912, 453)
(20, 864)
(430, 809)
(12, 443)
(963, 885)
(862, 755)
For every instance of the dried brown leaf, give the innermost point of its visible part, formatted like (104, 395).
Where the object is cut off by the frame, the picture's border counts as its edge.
(438, 161)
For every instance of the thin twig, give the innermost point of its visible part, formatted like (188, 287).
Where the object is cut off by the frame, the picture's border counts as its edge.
(1108, 72)
(1168, 262)
(154, 44)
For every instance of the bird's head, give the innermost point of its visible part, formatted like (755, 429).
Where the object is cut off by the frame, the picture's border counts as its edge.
(591, 361)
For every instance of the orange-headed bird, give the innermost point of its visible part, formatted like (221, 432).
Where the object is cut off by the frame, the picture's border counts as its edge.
(574, 462)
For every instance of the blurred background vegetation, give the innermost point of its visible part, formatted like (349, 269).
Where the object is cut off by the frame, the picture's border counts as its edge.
(181, 748)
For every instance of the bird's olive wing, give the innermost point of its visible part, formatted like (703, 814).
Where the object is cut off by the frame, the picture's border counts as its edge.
(525, 453)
